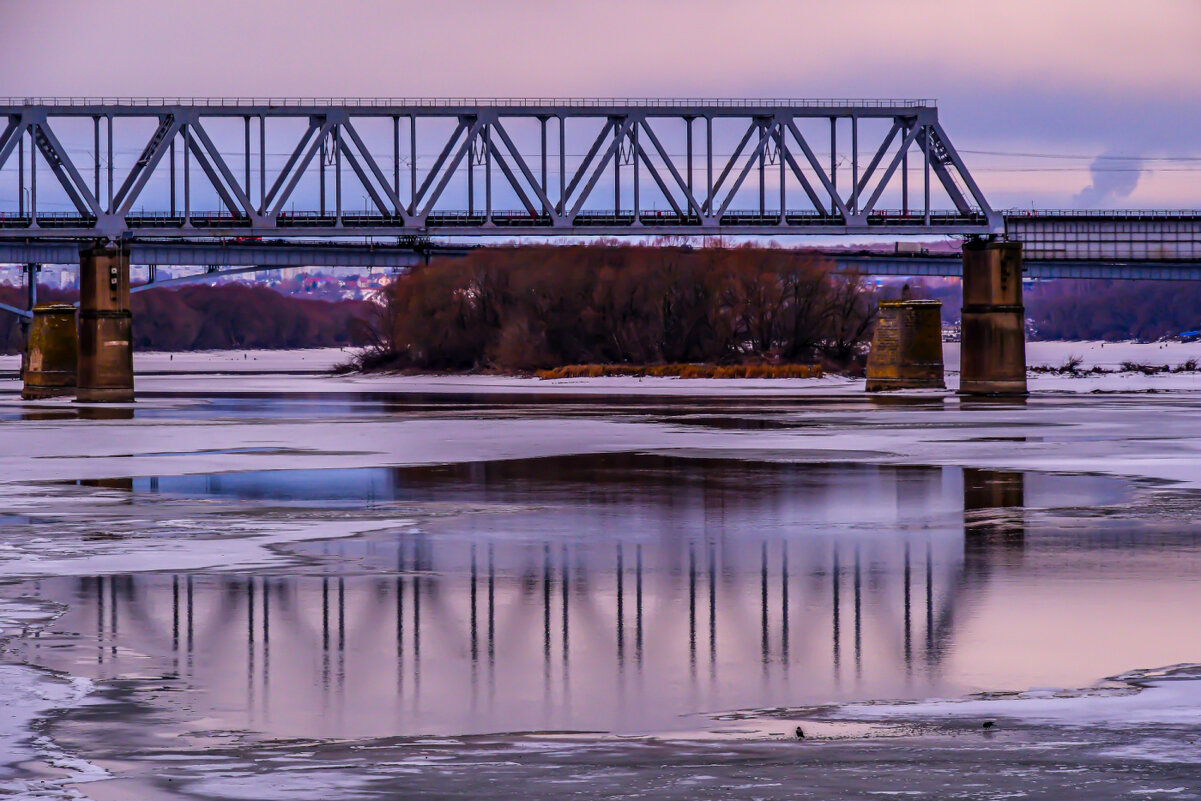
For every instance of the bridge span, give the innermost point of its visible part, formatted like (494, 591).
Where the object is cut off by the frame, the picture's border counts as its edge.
(293, 170)
(478, 167)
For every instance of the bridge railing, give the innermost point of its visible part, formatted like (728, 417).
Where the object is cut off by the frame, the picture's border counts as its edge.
(489, 102)
(1109, 214)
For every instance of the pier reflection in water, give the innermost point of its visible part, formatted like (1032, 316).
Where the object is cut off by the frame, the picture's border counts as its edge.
(614, 592)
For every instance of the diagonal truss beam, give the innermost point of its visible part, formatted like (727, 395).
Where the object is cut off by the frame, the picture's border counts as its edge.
(60, 164)
(725, 173)
(297, 153)
(766, 133)
(152, 154)
(442, 157)
(547, 206)
(817, 169)
(875, 162)
(212, 163)
(619, 138)
(8, 139)
(906, 143)
(472, 133)
(961, 168)
(369, 161)
(818, 204)
(296, 165)
(927, 140)
(597, 144)
(509, 175)
(654, 173)
(693, 203)
(348, 153)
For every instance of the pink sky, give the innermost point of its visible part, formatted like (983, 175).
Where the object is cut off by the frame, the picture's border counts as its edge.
(1062, 78)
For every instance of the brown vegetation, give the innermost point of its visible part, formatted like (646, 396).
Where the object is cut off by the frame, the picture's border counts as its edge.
(685, 371)
(217, 317)
(1114, 310)
(1092, 309)
(542, 307)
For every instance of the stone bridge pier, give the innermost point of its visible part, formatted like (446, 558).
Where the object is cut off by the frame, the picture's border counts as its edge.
(906, 351)
(993, 321)
(105, 326)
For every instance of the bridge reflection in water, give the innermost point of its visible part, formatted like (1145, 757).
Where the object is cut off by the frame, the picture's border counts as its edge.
(621, 611)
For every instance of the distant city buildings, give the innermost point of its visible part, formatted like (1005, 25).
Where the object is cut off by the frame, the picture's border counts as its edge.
(319, 283)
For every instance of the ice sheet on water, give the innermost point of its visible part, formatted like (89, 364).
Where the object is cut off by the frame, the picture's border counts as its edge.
(1147, 676)
(1168, 696)
(281, 785)
(241, 544)
(27, 694)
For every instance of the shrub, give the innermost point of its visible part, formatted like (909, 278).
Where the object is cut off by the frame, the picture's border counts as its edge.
(542, 307)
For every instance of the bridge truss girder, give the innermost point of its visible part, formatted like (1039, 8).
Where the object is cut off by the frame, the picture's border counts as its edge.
(700, 187)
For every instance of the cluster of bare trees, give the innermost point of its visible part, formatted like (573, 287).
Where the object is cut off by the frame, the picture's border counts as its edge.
(1092, 309)
(240, 316)
(1114, 310)
(216, 317)
(537, 307)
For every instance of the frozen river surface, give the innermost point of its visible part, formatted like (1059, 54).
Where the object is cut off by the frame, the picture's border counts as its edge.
(286, 585)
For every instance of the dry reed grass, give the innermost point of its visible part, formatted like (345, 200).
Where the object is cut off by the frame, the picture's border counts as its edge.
(684, 371)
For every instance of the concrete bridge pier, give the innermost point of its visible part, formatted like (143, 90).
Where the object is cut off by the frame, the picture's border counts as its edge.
(51, 352)
(906, 346)
(105, 326)
(993, 327)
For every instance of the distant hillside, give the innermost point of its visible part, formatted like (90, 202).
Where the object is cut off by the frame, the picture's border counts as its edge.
(1104, 310)
(202, 317)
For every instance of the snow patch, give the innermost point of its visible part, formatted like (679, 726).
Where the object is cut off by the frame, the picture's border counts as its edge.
(27, 695)
(1163, 696)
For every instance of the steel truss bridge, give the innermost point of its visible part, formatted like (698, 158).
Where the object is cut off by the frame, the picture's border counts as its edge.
(286, 176)
(122, 167)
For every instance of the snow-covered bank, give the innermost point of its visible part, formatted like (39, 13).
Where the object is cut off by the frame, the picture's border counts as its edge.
(240, 361)
(225, 361)
(1109, 355)
(1164, 696)
(31, 765)
(270, 370)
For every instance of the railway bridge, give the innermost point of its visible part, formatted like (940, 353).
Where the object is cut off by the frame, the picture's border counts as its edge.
(260, 183)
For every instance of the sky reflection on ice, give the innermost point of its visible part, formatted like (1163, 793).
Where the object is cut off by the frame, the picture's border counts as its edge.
(619, 592)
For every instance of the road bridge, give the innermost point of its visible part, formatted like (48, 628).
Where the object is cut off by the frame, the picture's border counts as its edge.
(224, 181)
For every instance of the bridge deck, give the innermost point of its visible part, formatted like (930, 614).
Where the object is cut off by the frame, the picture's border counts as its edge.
(1083, 235)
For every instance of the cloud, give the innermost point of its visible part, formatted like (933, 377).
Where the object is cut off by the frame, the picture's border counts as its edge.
(1114, 179)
